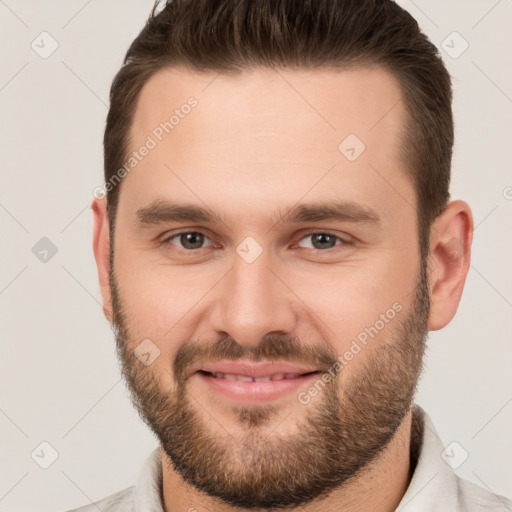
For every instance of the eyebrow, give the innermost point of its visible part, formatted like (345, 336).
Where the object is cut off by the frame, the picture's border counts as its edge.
(160, 211)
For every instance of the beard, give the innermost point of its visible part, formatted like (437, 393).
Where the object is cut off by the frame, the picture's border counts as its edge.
(339, 433)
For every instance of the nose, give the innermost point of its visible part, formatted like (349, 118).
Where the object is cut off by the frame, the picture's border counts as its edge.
(253, 301)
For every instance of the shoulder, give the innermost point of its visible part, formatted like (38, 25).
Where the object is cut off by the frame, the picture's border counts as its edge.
(473, 498)
(117, 502)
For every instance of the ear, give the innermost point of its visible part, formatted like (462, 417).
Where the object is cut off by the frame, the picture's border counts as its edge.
(101, 247)
(451, 236)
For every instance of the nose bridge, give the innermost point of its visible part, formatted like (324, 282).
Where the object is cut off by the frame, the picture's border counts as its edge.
(253, 303)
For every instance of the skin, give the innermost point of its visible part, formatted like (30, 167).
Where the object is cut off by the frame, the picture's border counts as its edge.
(256, 144)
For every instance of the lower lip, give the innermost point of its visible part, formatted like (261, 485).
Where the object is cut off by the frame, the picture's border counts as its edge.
(255, 391)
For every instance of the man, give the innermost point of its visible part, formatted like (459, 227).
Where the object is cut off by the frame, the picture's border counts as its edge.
(275, 243)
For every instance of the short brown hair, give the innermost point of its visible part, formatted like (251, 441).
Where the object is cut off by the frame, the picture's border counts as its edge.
(229, 36)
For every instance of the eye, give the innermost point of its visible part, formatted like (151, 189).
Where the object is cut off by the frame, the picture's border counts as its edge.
(189, 240)
(321, 240)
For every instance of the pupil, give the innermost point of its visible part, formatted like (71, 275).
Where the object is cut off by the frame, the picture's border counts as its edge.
(323, 238)
(192, 240)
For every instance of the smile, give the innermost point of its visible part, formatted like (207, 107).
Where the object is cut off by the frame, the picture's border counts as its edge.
(248, 389)
(247, 378)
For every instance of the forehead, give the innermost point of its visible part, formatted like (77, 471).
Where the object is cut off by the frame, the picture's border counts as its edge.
(267, 133)
(324, 103)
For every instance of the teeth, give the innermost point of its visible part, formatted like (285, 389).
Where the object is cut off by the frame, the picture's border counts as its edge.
(292, 375)
(225, 376)
(245, 378)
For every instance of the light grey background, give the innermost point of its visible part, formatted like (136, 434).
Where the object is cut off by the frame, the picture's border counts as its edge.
(59, 377)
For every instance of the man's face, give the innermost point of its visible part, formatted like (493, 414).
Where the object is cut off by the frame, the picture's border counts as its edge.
(263, 286)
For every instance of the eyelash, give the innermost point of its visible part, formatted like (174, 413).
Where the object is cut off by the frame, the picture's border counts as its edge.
(167, 240)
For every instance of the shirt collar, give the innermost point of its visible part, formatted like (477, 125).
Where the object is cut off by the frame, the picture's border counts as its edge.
(434, 485)
(148, 494)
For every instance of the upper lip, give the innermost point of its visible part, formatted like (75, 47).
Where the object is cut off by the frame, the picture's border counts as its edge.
(251, 369)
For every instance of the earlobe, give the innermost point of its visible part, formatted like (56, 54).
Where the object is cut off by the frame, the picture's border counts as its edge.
(449, 260)
(101, 248)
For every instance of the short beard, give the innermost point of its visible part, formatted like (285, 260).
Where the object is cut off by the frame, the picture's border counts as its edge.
(346, 427)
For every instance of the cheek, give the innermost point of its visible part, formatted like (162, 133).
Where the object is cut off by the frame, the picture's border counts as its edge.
(161, 302)
(362, 302)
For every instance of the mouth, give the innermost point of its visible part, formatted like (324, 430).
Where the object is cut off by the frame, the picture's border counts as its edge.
(254, 385)
(247, 378)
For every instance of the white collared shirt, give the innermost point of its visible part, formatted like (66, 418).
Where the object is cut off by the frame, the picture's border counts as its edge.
(434, 486)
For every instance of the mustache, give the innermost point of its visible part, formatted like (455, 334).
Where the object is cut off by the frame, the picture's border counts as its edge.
(272, 348)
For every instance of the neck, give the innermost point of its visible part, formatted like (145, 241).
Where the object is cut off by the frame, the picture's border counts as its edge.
(380, 486)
